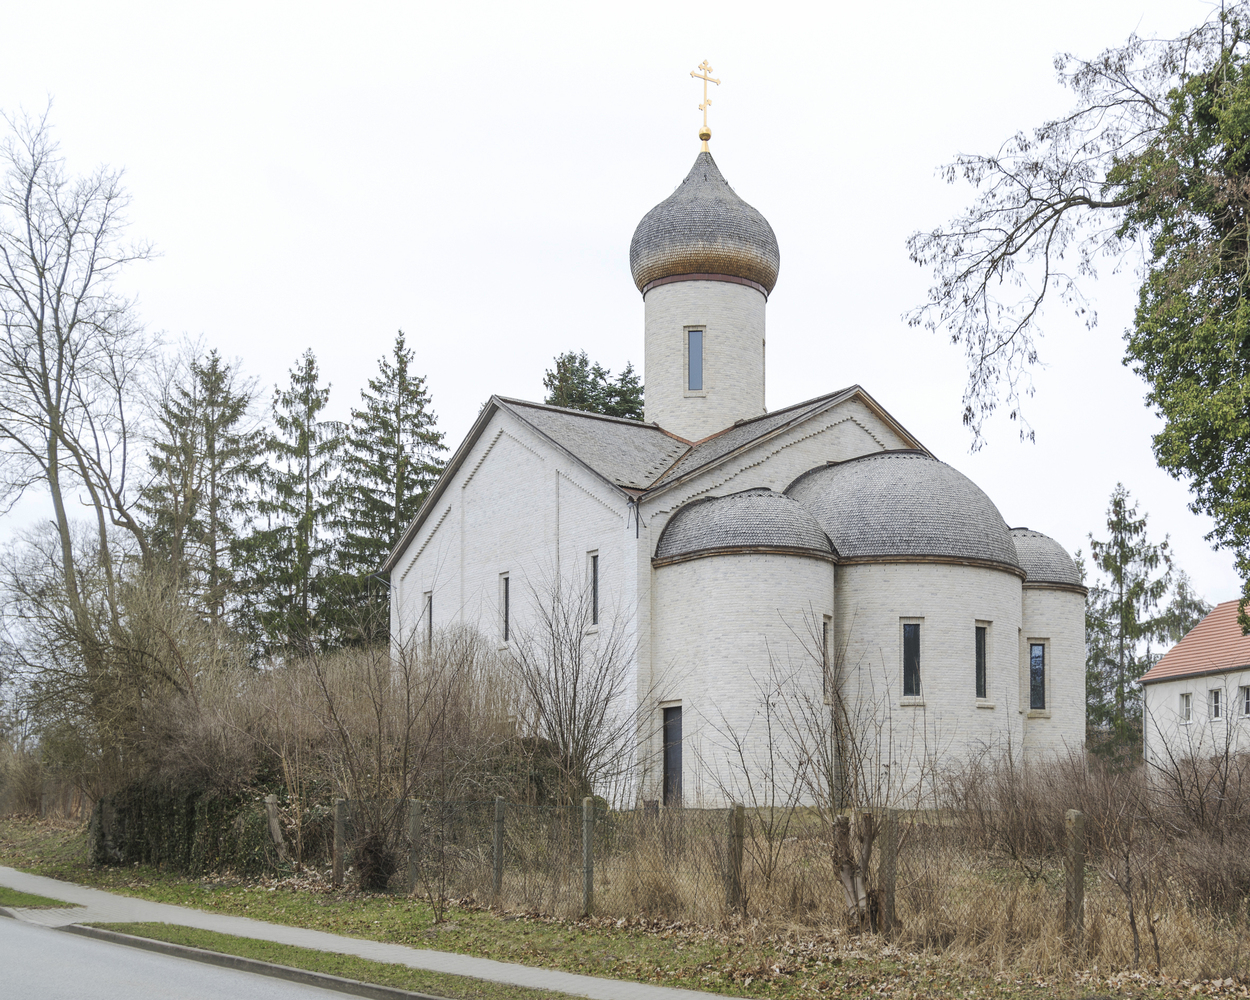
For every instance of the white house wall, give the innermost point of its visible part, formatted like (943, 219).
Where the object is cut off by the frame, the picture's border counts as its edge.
(1169, 738)
(947, 722)
(1055, 618)
(723, 629)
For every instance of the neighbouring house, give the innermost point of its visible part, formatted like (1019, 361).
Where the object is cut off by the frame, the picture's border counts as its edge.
(1196, 699)
(752, 556)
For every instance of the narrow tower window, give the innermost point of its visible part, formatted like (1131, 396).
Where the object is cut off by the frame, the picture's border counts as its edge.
(672, 756)
(1037, 675)
(911, 660)
(507, 622)
(694, 360)
(981, 684)
(594, 588)
(429, 620)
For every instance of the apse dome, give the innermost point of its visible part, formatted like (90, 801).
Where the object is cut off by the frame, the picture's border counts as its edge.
(753, 520)
(1043, 559)
(893, 505)
(704, 228)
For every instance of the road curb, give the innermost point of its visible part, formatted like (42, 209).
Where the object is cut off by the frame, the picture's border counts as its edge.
(324, 980)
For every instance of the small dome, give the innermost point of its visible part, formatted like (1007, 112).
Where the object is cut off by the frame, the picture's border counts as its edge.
(1044, 559)
(904, 503)
(753, 519)
(704, 228)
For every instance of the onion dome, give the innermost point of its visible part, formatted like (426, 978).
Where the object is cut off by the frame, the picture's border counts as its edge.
(1044, 560)
(703, 228)
(897, 505)
(753, 520)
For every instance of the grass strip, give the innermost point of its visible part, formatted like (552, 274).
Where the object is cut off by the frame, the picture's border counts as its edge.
(14, 897)
(345, 966)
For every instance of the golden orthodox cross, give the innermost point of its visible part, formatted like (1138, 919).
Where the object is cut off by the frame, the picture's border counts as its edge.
(703, 72)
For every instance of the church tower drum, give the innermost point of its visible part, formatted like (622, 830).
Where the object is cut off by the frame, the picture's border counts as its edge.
(705, 262)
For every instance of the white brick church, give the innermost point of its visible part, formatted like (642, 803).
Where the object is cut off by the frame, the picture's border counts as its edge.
(748, 554)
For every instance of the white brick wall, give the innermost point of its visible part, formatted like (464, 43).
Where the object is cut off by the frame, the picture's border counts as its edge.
(1058, 618)
(722, 627)
(733, 356)
(947, 721)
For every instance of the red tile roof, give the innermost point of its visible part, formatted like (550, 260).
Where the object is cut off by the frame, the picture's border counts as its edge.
(1213, 645)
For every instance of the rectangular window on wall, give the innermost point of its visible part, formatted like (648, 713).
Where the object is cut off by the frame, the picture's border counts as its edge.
(429, 619)
(594, 588)
(672, 756)
(1037, 675)
(824, 657)
(694, 360)
(982, 684)
(506, 604)
(1215, 699)
(911, 660)
(1187, 707)
(1243, 697)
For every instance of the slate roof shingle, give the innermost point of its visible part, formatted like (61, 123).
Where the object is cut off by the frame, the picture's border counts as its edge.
(1214, 645)
(904, 503)
(1043, 559)
(704, 228)
(755, 518)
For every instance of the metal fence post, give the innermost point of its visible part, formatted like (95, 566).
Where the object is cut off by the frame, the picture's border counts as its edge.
(888, 871)
(1074, 879)
(734, 898)
(340, 840)
(414, 841)
(588, 855)
(498, 857)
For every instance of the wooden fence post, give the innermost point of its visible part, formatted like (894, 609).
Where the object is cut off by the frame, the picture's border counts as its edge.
(887, 872)
(1074, 879)
(414, 843)
(735, 899)
(588, 855)
(498, 857)
(275, 828)
(340, 840)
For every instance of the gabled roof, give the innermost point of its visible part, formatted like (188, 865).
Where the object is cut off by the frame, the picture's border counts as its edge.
(1215, 645)
(635, 458)
(748, 433)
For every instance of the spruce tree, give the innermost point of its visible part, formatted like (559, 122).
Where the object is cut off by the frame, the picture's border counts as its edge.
(205, 458)
(1139, 606)
(578, 384)
(288, 554)
(391, 460)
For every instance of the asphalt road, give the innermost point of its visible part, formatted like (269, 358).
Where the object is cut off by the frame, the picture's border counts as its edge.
(39, 963)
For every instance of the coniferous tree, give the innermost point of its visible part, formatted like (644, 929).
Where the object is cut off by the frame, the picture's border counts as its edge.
(288, 554)
(391, 460)
(579, 384)
(1138, 606)
(205, 458)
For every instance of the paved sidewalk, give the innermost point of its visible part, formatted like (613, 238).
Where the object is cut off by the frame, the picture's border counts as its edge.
(97, 906)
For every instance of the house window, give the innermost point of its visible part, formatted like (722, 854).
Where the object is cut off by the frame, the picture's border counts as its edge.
(429, 619)
(911, 659)
(694, 360)
(594, 588)
(824, 657)
(982, 686)
(1037, 675)
(505, 603)
(1243, 698)
(672, 756)
(1215, 702)
(1187, 707)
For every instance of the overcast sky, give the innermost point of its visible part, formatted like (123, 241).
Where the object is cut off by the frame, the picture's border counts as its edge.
(318, 175)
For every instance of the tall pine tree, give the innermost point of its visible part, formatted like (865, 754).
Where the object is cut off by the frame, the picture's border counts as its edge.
(578, 384)
(1138, 606)
(391, 460)
(205, 459)
(289, 590)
